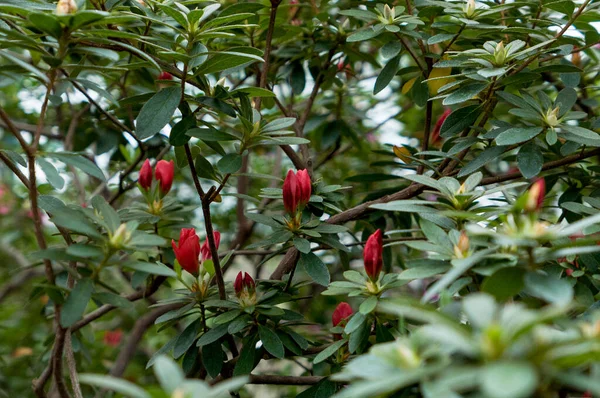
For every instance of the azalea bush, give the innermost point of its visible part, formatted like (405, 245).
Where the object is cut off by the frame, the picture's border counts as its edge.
(299, 198)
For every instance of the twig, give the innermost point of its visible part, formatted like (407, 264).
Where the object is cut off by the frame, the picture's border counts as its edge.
(72, 365)
(284, 380)
(13, 167)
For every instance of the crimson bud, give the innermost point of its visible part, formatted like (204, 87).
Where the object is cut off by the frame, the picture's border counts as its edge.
(165, 76)
(188, 251)
(373, 255)
(146, 175)
(205, 253)
(296, 190)
(341, 314)
(435, 135)
(164, 174)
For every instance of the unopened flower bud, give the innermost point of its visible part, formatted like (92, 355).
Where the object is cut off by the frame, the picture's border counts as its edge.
(245, 288)
(407, 356)
(373, 255)
(535, 196)
(470, 8)
(187, 250)
(461, 250)
(296, 191)
(500, 54)
(551, 117)
(146, 175)
(66, 7)
(120, 238)
(341, 314)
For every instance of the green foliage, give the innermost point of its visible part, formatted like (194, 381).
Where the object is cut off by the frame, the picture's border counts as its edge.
(467, 132)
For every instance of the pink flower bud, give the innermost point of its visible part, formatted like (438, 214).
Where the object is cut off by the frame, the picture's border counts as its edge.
(373, 255)
(164, 174)
(146, 174)
(188, 250)
(296, 191)
(341, 314)
(535, 196)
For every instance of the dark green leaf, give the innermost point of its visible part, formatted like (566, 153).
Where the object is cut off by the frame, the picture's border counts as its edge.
(315, 268)
(78, 299)
(530, 160)
(157, 112)
(271, 341)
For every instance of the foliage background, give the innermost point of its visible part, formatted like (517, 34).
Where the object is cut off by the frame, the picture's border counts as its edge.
(352, 74)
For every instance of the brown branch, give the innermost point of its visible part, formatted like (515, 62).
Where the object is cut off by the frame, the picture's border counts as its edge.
(127, 352)
(13, 167)
(190, 159)
(284, 380)
(72, 365)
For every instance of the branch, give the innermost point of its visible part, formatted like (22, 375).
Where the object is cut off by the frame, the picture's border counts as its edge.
(13, 167)
(72, 365)
(285, 380)
(141, 325)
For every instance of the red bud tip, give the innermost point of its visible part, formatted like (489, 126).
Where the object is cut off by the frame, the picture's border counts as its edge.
(341, 314)
(113, 338)
(188, 250)
(296, 191)
(165, 172)
(435, 135)
(205, 253)
(165, 76)
(535, 196)
(373, 255)
(244, 285)
(145, 178)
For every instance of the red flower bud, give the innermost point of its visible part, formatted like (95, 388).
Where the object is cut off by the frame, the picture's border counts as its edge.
(535, 196)
(244, 287)
(435, 135)
(164, 174)
(113, 337)
(296, 190)
(373, 255)
(205, 253)
(188, 251)
(165, 76)
(305, 187)
(145, 178)
(569, 271)
(341, 314)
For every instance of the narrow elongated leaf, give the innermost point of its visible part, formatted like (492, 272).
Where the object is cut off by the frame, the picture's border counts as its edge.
(157, 112)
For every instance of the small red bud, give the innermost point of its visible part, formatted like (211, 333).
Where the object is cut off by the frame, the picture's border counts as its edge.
(435, 135)
(113, 338)
(165, 76)
(205, 253)
(341, 313)
(164, 174)
(145, 178)
(188, 250)
(244, 286)
(296, 191)
(373, 255)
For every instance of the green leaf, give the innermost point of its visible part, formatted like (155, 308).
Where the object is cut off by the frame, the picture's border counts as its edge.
(387, 74)
(186, 338)
(230, 163)
(212, 335)
(110, 216)
(168, 373)
(120, 386)
(47, 23)
(51, 173)
(19, 62)
(329, 351)
(362, 35)
(178, 135)
(355, 322)
(367, 306)
(279, 124)
(509, 380)
(484, 158)
(271, 341)
(440, 38)
(80, 162)
(390, 49)
(464, 93)
(246, 362)
(212, 358)
(517, 135)
(459, 120)
(151, 268)
(530, 160)
(504, 283)
(232, 58)
(315, 268)
(157, 112)
(423, 271)
(549, 288)
(78, 299)
(302, 244)
(558, 68)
